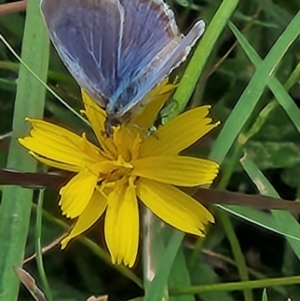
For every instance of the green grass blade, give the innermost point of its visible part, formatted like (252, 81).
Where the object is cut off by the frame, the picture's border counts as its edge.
(276, 87)
(201, 55)
(157, 287)
(16, 202)
(265, 296)
(38, 247)
(244, 108)
(236, 251)
(153, 248)
(284, 219)
(182, 96)
(42, 82)
(253, 92)
(260, 219)
(180, 276)
(235, 286)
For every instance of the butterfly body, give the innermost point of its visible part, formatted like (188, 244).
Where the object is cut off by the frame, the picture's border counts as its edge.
(118, 50)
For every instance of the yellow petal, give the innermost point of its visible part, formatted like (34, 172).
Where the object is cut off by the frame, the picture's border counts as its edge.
(52, 153)
(53, 130)
(58, 144)
(97, 116)
(179, 133)
(122, 224)
(89, 216)
(59, 165)
(176, 170)
(57, 136)
(77, 193)
(174, 206)
(94, 112)
(155, 100)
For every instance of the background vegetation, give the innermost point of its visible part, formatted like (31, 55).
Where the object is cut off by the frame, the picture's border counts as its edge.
(247, 67)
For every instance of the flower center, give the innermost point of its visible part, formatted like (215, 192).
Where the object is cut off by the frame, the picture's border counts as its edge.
(112, 170)
(116, 166)
(118, 174)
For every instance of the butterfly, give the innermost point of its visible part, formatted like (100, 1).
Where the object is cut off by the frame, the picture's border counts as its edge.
(118, 50)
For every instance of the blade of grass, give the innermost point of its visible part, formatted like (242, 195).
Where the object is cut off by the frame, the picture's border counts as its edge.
(237, 119)
(16, 201)
(94, 248)
(153, 247)
(237, 252)
(233, 286)
(265, 296)
(41, 81)
(260, 219)
(253, 91)
(246, 104)
(201, 55)
(38, 246)
(182, 95)
(276, 87)
(157, 287)
(284, 219)
(243, 138)
(180, 276)
(30, 284)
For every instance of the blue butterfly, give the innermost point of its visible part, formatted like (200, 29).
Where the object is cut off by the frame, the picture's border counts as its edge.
(118, 50)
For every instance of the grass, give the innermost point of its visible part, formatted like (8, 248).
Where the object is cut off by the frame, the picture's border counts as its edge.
(247, 67)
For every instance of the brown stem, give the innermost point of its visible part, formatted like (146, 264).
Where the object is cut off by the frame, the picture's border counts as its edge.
(206, 196)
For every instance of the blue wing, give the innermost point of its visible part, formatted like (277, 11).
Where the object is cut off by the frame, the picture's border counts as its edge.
(168, 58)
(105, 44)
(148, 27)
(86, 35)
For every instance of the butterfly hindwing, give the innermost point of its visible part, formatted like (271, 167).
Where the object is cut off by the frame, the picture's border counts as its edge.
(168, 58)
(149, 26)
(171, 56)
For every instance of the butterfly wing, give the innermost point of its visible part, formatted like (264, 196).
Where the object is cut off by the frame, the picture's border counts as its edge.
(106, 43)
(87, 40)
(149, 26)
(168, 58)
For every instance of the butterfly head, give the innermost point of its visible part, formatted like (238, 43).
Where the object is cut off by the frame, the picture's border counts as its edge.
(113, 121)
(121, 102)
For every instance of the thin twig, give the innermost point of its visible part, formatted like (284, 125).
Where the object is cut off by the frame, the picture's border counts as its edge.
(47, 248)
(14, 7)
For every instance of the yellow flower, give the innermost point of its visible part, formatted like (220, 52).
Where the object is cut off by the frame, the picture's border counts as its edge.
(133, 164)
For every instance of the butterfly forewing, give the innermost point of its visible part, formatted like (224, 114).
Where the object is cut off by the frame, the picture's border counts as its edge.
(86, 35)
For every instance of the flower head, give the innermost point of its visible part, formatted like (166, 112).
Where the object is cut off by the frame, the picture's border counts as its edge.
(133, 164)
